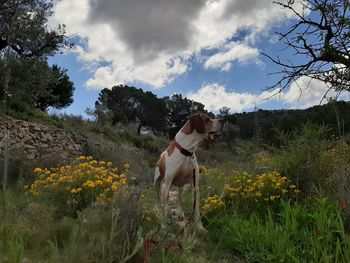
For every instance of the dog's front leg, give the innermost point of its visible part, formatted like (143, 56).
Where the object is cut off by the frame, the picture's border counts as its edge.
(199, 226)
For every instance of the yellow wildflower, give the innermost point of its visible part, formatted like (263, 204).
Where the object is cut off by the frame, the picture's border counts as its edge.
(115, 186)
(89, 184)
(109, 179)
(99, 182)
(37, 170)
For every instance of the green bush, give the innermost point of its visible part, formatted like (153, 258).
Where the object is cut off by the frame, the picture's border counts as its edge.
(337, 184)
(300, 159)
(104, 232)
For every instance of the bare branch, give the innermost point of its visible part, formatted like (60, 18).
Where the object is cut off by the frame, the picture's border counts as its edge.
(321, 38)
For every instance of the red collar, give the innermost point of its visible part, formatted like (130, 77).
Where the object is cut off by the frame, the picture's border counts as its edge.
(183, 150)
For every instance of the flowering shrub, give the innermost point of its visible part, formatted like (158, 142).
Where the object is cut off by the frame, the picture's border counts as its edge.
(213, 203)
(214, 179)
(73, 187)
(266, 187)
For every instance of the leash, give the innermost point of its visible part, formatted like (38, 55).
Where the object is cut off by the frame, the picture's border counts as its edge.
(189, 154)
(146, 248)
(194, 186)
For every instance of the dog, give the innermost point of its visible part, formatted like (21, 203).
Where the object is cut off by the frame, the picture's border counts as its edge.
(178, 164)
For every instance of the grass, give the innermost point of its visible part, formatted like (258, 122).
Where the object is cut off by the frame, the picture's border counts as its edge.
(309, 232)
(308, 229)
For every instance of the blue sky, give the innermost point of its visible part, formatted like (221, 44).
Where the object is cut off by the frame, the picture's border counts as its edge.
(207, 50)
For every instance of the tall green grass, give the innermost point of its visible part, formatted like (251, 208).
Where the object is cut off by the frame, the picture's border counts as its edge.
(308, 232)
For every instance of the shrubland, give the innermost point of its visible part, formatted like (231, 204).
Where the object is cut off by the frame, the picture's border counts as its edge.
(259, 203)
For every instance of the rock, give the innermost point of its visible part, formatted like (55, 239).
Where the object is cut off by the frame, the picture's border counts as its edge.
(34, 140)
(30, 156)
(28, 146)
(48, 137)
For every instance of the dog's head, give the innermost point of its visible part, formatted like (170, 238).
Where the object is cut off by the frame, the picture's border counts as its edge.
(209, 128)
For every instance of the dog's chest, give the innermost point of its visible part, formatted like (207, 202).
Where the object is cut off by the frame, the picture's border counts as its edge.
(184, 174)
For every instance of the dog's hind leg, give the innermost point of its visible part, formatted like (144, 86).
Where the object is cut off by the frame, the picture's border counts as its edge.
(157, 183)
(164, 196)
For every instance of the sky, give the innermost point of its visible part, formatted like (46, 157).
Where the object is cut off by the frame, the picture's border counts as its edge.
(207, 50)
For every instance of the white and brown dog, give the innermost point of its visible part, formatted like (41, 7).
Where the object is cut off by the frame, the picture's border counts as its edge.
(178, 164)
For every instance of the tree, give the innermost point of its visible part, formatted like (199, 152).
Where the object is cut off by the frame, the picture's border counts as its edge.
(60, 90)
(224, 111)
(180, 109)
(129, 104)
(321, 35)
(36, 84)
(24, 29)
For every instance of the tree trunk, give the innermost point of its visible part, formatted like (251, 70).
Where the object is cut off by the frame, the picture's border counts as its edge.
(3, 44)
(139, 129)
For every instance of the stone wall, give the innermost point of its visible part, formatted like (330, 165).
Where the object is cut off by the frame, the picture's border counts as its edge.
(33, 140)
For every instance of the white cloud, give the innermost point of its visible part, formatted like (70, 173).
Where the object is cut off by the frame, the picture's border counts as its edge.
(306, 92)
(152, 41)
(233, 52)
(302, 94)
(215, 96)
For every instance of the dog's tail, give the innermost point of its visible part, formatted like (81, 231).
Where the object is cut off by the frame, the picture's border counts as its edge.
(157, 176)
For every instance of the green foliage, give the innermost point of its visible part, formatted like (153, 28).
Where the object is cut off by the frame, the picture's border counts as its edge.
(61, 90)
(337, 184)
(113, 232)
(25, 31)
(300, 159)
(104, 232)
(335, 115)
(35, 84)
(14, 250)
(283, 231)
(180, 109)
(25, 222)
(310, 232)
(126, 104)
(129, 104)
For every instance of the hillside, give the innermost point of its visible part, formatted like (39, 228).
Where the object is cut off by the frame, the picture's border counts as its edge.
(334, 115)
(257, 201)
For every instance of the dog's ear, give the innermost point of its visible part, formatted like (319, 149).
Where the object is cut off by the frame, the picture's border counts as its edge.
(197, 122)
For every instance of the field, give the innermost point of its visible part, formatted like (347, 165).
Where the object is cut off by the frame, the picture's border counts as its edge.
(259, 203)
